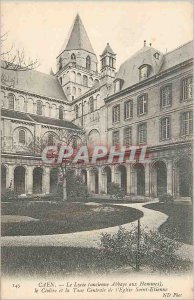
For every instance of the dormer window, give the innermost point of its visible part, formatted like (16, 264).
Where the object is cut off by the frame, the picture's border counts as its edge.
(144, 72)
(118, 85)
(157, 55)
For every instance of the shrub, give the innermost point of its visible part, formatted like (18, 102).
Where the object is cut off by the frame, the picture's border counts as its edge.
(166, 198)
(155, 250)
(9, 195)
(115, 192)
(76, 188)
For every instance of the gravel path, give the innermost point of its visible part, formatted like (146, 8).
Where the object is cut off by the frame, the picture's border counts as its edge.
(151, 220)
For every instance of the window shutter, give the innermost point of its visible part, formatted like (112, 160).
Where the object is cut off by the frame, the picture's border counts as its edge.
(169, 127)
(181, 90)
(170, 94)
(138, 105)
(131, 109)
(161, 89)
(146, 104)
(181, 124)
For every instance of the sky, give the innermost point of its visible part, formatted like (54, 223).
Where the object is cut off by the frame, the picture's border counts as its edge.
(40, 27)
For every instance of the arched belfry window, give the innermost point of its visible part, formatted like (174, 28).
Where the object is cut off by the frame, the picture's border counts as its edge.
(11, 101)
(39, 107)
(73, 57)
(61, 112)
(91, 104)
(22, 136)
(88, 62)
(76, 111)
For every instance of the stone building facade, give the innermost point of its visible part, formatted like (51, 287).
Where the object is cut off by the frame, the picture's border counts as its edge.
(148, 101)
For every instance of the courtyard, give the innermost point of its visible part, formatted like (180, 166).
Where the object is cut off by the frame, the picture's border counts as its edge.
(64, 238)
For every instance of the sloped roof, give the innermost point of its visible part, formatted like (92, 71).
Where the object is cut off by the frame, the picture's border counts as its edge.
(129, 70)
(12, 114)
(77, 37)
(34, 82)
(108, 49)
(178, 55)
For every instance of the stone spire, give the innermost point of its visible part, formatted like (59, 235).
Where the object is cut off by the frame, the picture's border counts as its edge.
(77, 38)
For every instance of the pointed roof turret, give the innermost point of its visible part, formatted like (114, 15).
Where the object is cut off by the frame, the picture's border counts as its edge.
(77, 37)
(108, 49)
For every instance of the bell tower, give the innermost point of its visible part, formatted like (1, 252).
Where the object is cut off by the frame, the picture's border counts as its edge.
(77, 66)
(108, 65)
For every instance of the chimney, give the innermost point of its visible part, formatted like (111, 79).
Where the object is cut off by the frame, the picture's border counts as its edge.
(144, 43)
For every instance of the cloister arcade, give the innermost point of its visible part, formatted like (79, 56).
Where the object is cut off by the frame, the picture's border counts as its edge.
(159, 177)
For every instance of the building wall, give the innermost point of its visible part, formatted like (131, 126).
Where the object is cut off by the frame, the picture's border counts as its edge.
(155, 112)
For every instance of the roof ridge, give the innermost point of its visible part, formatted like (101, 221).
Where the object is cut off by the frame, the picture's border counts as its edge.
(180, 46)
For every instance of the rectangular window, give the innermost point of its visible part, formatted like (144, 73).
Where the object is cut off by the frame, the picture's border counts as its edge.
(142, 133)
(115, 138)
(187, 89)
(187, 123)
(142, 105)
(128, 109)
(165, 128)
(166, 96)
(116, 114)
(127, 136)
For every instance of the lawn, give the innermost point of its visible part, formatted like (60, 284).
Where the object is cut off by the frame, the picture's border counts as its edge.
(54, 261)
(42, 218)
(180, 220)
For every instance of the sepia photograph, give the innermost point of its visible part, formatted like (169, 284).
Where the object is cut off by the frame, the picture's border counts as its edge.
(96, 149)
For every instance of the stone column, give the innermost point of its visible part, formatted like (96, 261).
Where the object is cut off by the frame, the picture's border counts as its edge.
(100, 180)
(169, 177)
(128, 179)
(29, 180)
(113, 175)
(147, 180)
(133, 181)
(10, 177)
(88, 180)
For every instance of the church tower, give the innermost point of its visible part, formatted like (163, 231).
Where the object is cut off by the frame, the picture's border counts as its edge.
(77, 68)
(108, 65)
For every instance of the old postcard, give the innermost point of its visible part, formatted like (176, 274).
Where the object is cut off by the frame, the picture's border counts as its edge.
(96, 149)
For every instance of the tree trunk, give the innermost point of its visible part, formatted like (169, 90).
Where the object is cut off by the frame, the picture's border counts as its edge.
(64, 188)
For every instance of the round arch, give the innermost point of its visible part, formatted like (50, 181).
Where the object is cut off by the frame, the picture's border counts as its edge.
(37, 180)
(19, 179)
(139, 178)
(183, 177)
(121, 172)
(159, 178)
(93, 137)
(84, 175)
(54, 172)
(95, 181)
(3, 179)
(107, 174)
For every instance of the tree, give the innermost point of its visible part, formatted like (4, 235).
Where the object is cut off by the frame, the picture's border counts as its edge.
(14, 60)
(67, 137)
